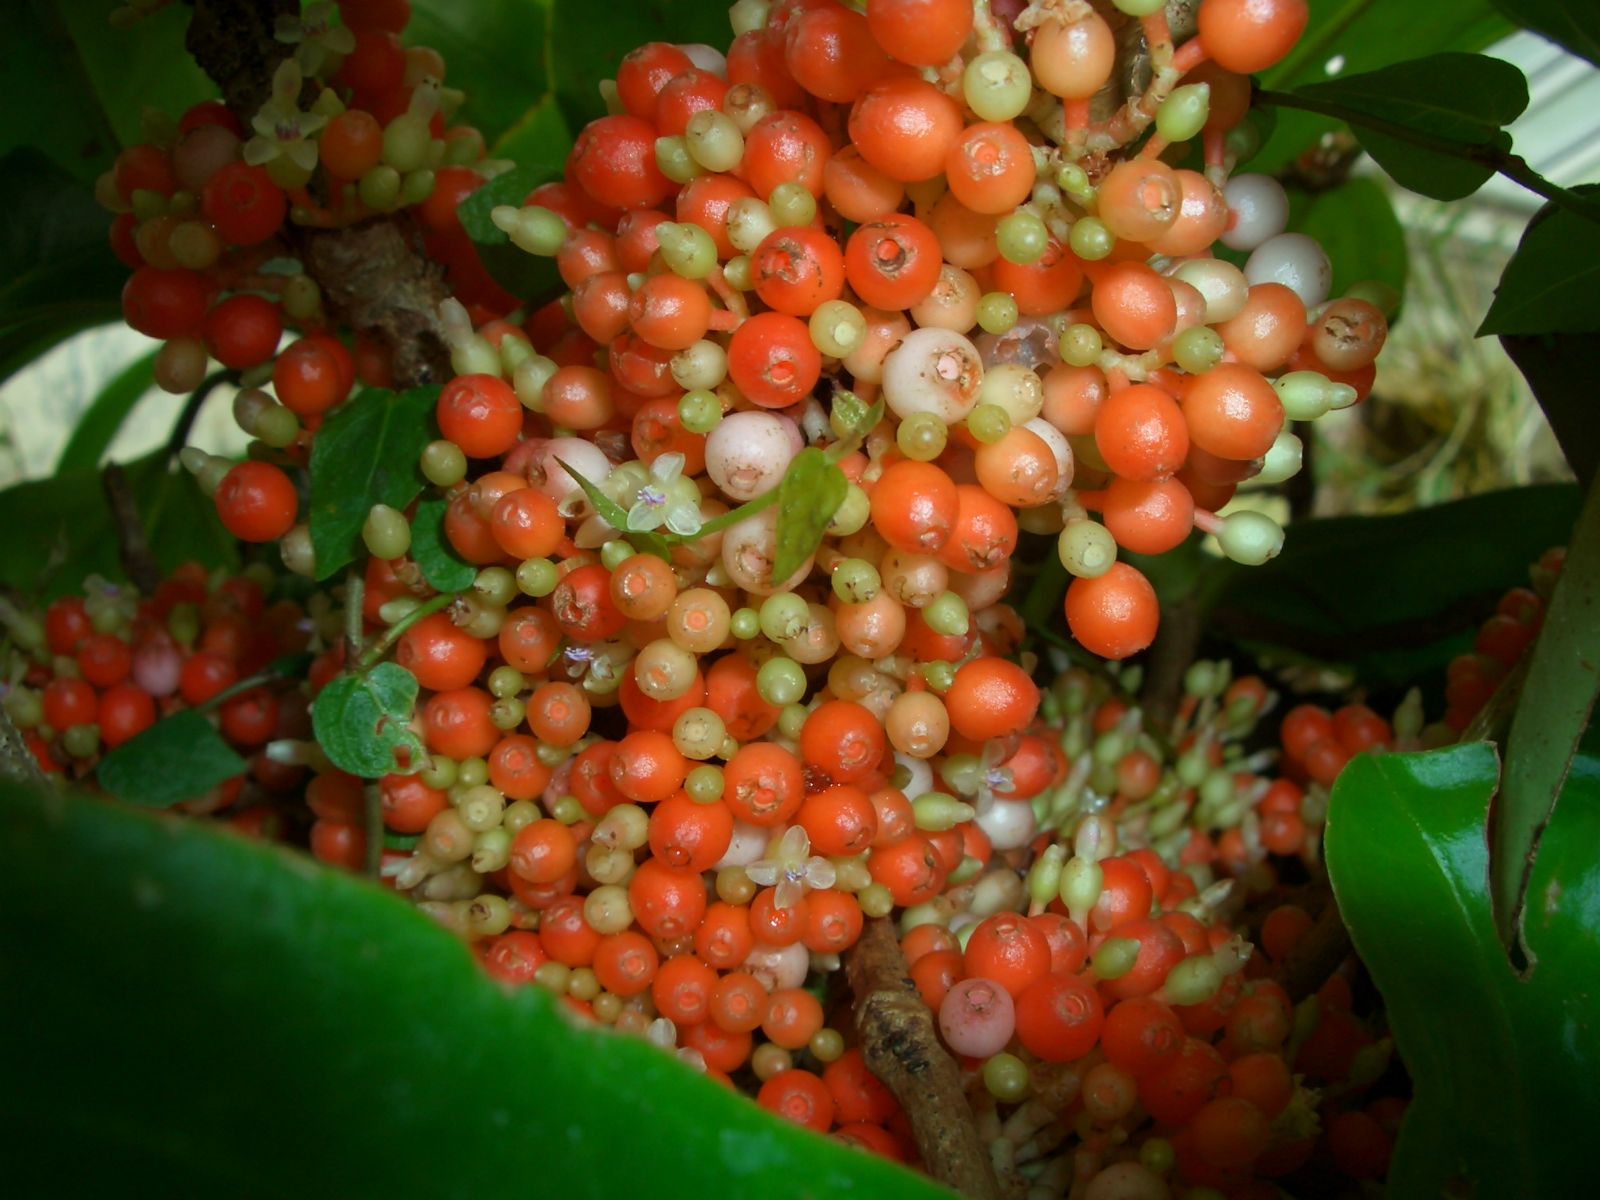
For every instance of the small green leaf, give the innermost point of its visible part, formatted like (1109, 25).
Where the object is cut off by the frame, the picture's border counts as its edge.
(178, 758)
(526, 276)
(1573, 25)
(810, 493)
(1356, 224)
(312, 1000)
(1506, 1068)
(1464, 100)
(858, 418)
(441, 566)
(612, 513)
(1549, 285)
(1557, 701)
(98, 425)
(367, 452)
(363, 721)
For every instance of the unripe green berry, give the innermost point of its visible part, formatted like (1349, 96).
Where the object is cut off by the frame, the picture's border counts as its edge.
(1250, 538)
(1197, 350)
(1080, 345)
(1022, 237)
(1086, 547)
(997, 312)
(386, 532)
(1184, 113)
(1090, 239)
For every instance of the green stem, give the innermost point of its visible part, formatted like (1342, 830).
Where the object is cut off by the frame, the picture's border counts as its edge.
(729, 519)
(355, 586)
(259, 679)
(1513, 166)
(375, 652)
(372, 800)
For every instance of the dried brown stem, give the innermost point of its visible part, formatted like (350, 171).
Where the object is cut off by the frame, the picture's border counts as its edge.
(374, 276)
(902, 1049)
(1317, 954)
(133, 549)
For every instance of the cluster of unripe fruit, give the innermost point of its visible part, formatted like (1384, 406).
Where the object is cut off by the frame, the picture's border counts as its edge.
(689, 728)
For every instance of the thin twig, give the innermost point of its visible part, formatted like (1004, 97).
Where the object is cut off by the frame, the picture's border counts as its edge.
(191, 409)
(133, 549)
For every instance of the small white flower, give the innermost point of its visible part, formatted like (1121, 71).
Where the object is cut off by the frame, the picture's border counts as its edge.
(995, 781)
(315, 37)
(282, 130)
(793, 869)
(666, 498)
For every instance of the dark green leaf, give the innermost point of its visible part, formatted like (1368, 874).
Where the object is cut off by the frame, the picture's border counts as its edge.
(810, 493)
(1557, 701)
(492, 48)
(129, 70)
(441, 566)
(1434, 574)
(98, 425)
(526, 276)
(361, 721)
(65, 520)
(1459, 100)
(1571, 24)
(25, 338)
(1356, 224)
(1346, 36)
(280, 1029)
(539, 135)
(367, 452)
(54, 256)
(179, 758)
(1550, 283)
(1506, 1068)
(587, 43)
(64, 119)
(1559, 368)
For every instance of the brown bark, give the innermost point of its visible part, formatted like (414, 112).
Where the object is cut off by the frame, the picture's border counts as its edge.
(902, 1049)
(374, 276)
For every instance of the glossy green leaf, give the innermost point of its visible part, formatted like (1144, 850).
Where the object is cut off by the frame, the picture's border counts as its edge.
(526, 276)
(1559, 367)
(441, 566)
(1356, 224)
(588, 43)
(494, 49)
(362, 721)
(1347, 36)
(59, 530)
(206, 1015)
(178, 758)
(810, 493)
(1574, 25)
(1550, 283)
(98, 426)
(1506, 1069)
(1462, 102)
(367, 452)
(54, 255)
(858, 420)
(1557, 701)
(129, 70)
(1393, 597)
(539, 135)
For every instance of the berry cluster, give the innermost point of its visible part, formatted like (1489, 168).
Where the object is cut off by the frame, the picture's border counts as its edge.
(208, 211)
(850, 308)
(1502, 640)
(95, 670)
